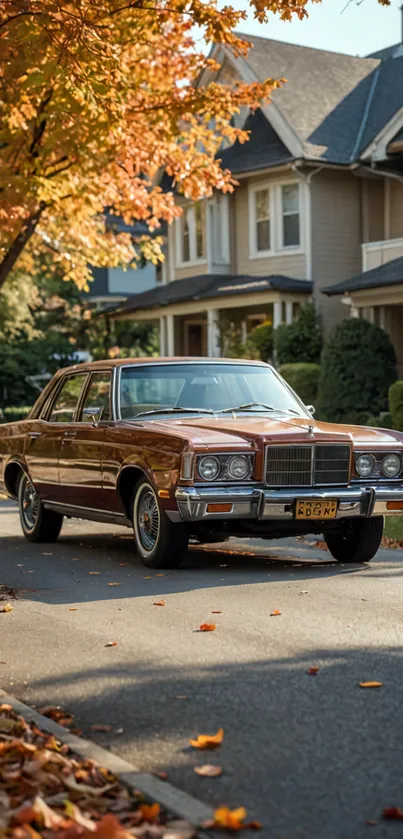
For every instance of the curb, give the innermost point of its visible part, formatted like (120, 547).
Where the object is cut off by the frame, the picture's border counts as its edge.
(174, 800)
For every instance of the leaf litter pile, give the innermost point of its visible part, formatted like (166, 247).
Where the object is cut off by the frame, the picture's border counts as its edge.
(46, 792)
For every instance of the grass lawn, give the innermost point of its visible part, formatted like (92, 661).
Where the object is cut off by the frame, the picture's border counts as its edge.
(394, 527)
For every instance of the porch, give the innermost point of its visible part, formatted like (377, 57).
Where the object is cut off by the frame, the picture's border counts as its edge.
(193, 315)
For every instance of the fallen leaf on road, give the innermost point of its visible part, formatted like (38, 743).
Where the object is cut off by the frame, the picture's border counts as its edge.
(229, 819)
(304, 592)
(216, 612)
(163, 776)
(20, 564)
(94, 572)
(114, 584)
(101, 727)
(208, 741)
(159, 603)
(6, 725)
(55, 713)
(72, 608)
(76, 559)
(74, 812)
(160, 575)
(371, 684)
(119, 730)
(208, 770)
(207, 627)
(111, 644)
(181, 697)
(150, 812)
(147, 578)
(393, 813)
(123, 564)
(312, 671)
(77, 731)
(275, 613)
(371, 822)
(46, 554)
(7, 607)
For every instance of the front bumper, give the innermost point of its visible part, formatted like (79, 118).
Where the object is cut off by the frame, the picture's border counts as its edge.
(262, 504)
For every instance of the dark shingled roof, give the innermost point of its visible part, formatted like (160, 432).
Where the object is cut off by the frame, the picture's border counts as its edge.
(264, 147)
(387, 52)
(391, 273)
(207, 286)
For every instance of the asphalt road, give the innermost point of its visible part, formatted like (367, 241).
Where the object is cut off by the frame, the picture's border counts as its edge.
(312, 757)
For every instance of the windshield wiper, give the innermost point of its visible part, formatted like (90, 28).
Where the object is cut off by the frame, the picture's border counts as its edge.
(250, 405)
(174, 411)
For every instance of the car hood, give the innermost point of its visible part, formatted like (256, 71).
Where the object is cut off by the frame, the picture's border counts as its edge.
(229, 430)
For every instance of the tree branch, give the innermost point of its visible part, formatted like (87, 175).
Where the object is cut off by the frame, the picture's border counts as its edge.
(19, 243)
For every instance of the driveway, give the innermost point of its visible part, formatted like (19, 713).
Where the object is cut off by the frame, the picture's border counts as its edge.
(310, 756)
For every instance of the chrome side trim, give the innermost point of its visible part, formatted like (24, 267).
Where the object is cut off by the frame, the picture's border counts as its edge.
(89, 513)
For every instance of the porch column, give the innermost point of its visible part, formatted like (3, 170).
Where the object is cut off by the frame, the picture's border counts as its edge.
(288, 312)
(369, 313)
(163, 340)
(277, 314)
(244, 331)
(213, 334)
(382, 317)
(170, 335)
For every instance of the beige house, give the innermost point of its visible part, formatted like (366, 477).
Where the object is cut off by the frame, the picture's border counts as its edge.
(318, 210)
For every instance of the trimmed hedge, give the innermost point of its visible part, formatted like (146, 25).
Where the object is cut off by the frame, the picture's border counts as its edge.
(396, 405)
(358, 368)
(303, 378)
(12, 414)
(301, 340)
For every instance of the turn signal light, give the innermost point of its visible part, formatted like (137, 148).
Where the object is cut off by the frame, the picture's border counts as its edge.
(219, 508)
(394, 505)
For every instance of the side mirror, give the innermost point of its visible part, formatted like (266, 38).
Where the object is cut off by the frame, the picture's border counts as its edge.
(310, 409)
(92, 415)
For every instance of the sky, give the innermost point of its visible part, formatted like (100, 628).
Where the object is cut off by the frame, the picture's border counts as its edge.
(362, 28)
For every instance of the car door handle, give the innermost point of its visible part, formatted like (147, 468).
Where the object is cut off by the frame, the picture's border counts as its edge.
(70, 433)
(34, 434)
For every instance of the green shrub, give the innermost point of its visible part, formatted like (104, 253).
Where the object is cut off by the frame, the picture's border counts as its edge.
(261, 339)
(396, 405)
(12, 414)
(373, 422)
(304, 379)
(300, 341)
(383, 421)
(358, 367)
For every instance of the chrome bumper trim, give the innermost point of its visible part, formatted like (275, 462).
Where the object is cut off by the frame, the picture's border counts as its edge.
(265, 505)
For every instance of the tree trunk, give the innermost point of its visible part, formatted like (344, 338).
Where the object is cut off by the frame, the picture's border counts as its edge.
(19, 243)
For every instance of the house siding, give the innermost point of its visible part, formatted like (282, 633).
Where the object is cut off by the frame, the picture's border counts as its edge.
(396, 209)
(374, 212)
(336, 238)
(288, 264)
(191, 271)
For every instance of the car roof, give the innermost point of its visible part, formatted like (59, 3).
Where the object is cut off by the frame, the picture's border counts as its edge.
(123, 362)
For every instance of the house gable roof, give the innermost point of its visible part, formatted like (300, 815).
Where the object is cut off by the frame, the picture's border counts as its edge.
(263, 149)
(391, 273)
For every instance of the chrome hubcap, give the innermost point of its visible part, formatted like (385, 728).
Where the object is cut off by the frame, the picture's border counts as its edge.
(148, 516)
(30, 505)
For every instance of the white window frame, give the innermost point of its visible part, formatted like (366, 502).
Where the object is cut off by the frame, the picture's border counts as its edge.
(276, 219)
(189, 211)
(212, 209)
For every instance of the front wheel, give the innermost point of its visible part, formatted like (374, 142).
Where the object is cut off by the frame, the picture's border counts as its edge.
(38, 524)
(357, 541)
(159, 542)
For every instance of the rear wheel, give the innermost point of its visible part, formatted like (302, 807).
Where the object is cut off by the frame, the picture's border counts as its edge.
(358, 541)
(159, 542)
(38, 524)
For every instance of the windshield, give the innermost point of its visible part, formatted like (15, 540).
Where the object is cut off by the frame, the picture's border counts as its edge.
(206, 387)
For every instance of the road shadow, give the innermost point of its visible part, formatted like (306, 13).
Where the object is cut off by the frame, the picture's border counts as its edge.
(312, 757)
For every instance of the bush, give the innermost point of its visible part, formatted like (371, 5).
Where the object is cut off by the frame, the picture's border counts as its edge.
(358, 367)
(261, 339)
(304, 379)
(11, 414)
(383, 421)
(396, 405)
(300, 341)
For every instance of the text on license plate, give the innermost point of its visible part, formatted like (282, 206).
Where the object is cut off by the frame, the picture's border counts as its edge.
(316, 509)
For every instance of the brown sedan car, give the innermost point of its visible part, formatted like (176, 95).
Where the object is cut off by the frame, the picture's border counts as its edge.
(201, 448)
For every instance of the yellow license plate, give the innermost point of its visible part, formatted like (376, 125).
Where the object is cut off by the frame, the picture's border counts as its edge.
(316, 509)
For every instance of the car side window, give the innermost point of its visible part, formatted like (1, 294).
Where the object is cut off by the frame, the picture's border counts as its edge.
(97, 401)
(64, 407)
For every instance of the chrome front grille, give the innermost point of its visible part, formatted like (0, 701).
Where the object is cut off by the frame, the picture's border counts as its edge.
(310, 465)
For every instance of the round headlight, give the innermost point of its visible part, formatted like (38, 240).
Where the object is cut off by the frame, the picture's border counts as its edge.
(391, 465)
(239, 467)
(364, 465)
(209, 468)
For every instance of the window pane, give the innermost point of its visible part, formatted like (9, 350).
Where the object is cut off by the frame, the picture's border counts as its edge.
(262, 204)
(65, 406)
(185, 238)
(199, 224)
(263, 235)
(290, 230)
(290, 196)
(97, 399)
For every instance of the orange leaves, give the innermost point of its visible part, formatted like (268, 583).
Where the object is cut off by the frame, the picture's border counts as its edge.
(275, 613)
(207, 627)
(208, 770)
(111, 644)
(7, 608)
(159, 603)
(150, 812)
(114, 584)
(208, 741)
(230, 819)
(312, 671)
(393, 813)
(101, 727)
(55, 713)
(371, 684)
